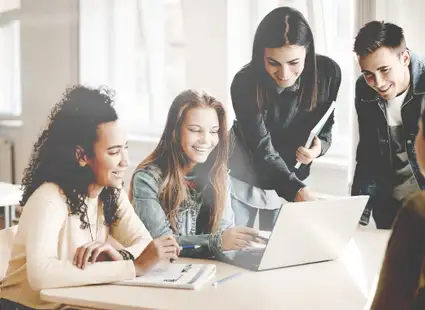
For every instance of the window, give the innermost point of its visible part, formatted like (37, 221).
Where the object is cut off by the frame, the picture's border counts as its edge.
(136, 47)
(10, 91)
(140, 48)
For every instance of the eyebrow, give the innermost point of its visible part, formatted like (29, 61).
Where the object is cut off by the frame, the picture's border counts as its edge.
(274, 60)
(117, 146)
(380, 68)
(195, 125)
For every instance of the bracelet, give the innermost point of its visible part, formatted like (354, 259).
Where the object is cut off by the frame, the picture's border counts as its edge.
(126, 255)
(214, 240)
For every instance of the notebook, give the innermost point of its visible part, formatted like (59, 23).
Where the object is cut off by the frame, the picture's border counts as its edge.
(317, 129)
(173, 275)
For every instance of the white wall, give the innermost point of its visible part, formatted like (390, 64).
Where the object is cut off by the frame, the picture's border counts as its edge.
(331, 179)
(407, 14)
(413, 22)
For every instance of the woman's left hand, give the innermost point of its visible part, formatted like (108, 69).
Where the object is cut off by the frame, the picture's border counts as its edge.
(305, 155)
(95, 251)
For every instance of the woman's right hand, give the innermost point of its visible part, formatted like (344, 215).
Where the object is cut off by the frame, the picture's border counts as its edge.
(164, 248)
(305, 194)
(238, 238)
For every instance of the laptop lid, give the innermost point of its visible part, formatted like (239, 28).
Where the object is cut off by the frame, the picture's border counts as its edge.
(312, 231)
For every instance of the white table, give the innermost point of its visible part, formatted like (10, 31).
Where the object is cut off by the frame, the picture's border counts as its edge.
(10, 195)
(346, 284)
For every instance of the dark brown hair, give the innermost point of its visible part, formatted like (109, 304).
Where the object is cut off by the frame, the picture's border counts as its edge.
(286, 26)
(376, 34)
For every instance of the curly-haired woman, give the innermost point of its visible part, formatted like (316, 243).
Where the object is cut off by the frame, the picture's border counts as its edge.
(73, 201)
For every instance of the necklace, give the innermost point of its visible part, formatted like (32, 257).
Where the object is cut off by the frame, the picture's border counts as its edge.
(97, 222)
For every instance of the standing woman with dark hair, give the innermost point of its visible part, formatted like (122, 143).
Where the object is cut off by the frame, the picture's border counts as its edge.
(72, 202)
(278, 98)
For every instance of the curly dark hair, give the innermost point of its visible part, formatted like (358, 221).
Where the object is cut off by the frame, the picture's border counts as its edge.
(72, 122)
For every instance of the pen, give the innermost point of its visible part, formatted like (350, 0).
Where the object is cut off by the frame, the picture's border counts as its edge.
(195, 246)
(226, 278)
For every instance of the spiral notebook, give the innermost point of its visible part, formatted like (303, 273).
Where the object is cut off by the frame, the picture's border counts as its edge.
(184, 276)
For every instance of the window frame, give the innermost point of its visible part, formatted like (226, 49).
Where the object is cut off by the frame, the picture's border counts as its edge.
(10, 78)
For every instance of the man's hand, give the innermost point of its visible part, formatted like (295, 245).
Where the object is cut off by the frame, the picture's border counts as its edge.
(305, 155)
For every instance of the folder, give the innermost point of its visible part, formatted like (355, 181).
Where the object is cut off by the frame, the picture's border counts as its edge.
(317, 129)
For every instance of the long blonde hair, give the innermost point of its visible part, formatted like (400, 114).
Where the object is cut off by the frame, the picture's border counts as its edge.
(404, 258)
(171, 159)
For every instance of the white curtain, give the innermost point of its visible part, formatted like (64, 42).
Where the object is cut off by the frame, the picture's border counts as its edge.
(130, 46)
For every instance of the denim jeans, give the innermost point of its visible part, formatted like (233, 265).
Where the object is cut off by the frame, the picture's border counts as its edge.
(245, 215)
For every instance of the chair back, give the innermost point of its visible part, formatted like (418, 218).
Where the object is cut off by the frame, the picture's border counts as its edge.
(7, 236)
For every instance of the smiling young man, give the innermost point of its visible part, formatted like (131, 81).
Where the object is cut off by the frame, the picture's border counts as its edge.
(389, 96)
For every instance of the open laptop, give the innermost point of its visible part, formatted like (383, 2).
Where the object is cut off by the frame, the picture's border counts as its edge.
(304, 233)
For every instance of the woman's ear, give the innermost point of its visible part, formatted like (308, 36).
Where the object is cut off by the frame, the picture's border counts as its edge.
(81, 156)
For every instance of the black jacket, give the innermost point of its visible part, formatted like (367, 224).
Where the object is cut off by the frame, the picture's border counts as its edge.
(374, 170)
(263, 144)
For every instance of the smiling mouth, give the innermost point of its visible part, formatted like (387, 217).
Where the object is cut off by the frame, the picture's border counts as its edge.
(201, 149)
(385, 89)
(284, 80)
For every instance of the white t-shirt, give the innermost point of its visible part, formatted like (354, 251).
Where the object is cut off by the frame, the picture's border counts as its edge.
(394, 110)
